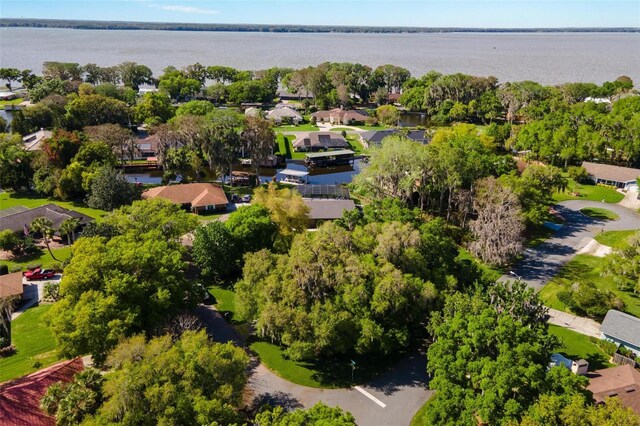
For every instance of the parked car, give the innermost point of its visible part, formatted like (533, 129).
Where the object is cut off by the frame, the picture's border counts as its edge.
(246, 198)
(39, 274)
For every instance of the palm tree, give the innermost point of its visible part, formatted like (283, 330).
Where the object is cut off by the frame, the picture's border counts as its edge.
(44, 226)
(67, 227)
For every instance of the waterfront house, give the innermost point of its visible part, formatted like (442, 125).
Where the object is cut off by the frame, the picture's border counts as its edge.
(620, 177)
(375, 137)
(321, 210)
(195, 197)
(341, 157)
(341, 116)
(622, 329)
(316, 141)
(284, 114)
(622, 382)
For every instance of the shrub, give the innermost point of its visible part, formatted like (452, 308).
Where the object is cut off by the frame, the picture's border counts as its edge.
(579, 174)
(607, 346)
(15, 268)
(587, 299)
(4, 269)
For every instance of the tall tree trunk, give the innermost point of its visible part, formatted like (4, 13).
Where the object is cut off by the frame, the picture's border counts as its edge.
(46, 242)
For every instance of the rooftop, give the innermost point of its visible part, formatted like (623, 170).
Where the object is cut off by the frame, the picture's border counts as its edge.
(196, 194)
(621, 326)
(53, 212)
(20, 398)
(609, 172)
(622, 382)
(320, 140)
(293, 172)
(328, 209)
(11, 285)
(330, 153)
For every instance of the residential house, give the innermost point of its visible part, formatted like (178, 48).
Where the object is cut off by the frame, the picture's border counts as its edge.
(195, 197)
(621, 177)
(11, 285)
(316, 141)
(253, 112)
(284, 114)
(19, 222)
(622, 329)
(341, 116)
(146, 146)
(321, 210)
(20, 398)
(337, 192)
(33, 141)
(622, 382)
(375, 137)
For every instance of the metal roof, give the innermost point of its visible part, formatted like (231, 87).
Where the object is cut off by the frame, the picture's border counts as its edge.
(323, 191)
(293, 172)
(622, 327)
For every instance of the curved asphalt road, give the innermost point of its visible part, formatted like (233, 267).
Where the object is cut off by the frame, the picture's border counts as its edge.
(543, 262)
(401, 391)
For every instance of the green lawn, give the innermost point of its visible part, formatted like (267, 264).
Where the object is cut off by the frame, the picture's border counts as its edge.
(615, 239)
(588, 192)
(586, 268)
(306, 127)
(419, 418)
(285, 147)
(15, 101)
(355, 145)
(33, 342)
(12, 199)
(42, 258)
(575, 346)
(491, 273)
(598, 213)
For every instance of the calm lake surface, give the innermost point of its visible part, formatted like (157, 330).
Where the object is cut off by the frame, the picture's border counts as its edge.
(549, 58)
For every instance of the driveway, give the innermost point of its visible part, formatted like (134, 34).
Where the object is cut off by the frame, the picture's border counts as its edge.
(543, 262)
(390, 399)
(32, 293)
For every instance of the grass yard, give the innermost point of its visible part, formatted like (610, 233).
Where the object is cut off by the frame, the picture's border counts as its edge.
(490, 272)
(615, 239)
(306, 127)
(355, 145)
(12, 199)
(33, 342)
(575, 346)
(598, 213)
(15, 101)
(587, 192)
(285, 147)
(419, 418)
(586, 268)
(42, 258)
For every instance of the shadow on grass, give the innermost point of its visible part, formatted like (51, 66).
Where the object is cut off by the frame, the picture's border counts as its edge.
(597, 360)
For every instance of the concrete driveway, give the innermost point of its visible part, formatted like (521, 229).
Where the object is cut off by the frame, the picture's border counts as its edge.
(543, 262)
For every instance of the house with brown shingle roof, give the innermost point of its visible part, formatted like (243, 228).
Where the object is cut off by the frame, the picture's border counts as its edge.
(621, 177)
(11, 285)
(20, 398)
(316, 141)
(195, 197)
(622, 382)
(341, 116)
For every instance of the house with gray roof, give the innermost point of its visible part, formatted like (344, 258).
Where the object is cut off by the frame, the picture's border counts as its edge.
(375, 137)
(19, 222)
(316, 141)
(321, 210)
(284, 114)
(621, 177)
(622, 329)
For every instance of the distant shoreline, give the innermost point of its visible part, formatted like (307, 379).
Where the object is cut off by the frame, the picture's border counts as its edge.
(168, 26)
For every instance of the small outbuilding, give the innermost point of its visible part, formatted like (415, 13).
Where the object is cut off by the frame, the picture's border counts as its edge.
(622, 329)
(620, 177)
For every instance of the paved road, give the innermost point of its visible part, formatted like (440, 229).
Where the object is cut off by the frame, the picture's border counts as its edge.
(399, 393)
(543, 262)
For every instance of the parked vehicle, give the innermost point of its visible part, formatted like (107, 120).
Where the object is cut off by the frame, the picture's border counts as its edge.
(246, 198)
(39, 274)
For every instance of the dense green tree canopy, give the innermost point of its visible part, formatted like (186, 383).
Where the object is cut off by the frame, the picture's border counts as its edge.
(319, 414)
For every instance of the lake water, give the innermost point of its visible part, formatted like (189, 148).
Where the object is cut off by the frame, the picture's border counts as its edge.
(549, 58)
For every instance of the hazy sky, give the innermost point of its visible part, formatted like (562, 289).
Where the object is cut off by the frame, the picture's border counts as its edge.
(426, 13)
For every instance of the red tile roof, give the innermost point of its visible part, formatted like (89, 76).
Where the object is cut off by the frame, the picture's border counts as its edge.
(20, 398)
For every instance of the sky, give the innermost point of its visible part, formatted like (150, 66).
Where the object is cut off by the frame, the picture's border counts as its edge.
(421, 13)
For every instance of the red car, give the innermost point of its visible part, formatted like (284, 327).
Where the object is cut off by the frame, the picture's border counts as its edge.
(39, 274)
